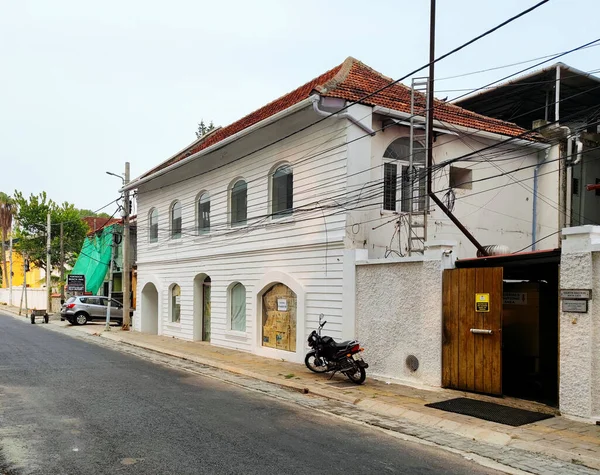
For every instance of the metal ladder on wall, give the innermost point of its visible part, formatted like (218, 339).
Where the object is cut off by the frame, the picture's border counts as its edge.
(417, 196)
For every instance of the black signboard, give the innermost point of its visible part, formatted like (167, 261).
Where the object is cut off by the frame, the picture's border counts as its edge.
(76, 282)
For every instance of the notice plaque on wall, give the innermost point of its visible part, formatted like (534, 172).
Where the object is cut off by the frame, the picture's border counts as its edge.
(282, 305)
(579, 294)
(76, 282)
(575, 306)
(482, 302)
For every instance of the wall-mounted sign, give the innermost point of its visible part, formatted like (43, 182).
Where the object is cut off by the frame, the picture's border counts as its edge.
(575, 306)
(576, 294)
(177, 299)
(482, 302)
(515, 298)
(282, 305)
(76, 282)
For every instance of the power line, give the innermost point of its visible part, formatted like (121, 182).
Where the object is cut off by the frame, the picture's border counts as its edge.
(495, 68)
(392, 83)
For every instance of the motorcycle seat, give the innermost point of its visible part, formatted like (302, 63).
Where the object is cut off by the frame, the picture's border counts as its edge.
(342, 345)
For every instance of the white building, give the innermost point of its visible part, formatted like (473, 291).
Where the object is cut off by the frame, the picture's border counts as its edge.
(249, 233)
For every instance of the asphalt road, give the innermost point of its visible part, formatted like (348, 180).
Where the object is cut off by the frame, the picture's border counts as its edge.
(72, 407)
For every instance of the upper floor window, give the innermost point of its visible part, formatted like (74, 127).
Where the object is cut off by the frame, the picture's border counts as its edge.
(412, 182)
(282, 186)
(153, 218)
(176, 220)
(204, 213)
(239, 202)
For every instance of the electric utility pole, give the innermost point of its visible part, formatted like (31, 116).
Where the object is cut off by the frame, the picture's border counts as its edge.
(48, 267)
(429, 137)
(126, 258)
(62, 265)
(10, 272)
(110, 279)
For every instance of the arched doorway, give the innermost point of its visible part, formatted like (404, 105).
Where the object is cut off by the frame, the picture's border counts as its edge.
(202, 287)
(279, 320)
(149, 310)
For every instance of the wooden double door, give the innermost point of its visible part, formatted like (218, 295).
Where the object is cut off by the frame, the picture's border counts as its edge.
(472, 329)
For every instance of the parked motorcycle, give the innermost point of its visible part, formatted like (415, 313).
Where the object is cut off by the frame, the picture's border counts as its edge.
(329, 356)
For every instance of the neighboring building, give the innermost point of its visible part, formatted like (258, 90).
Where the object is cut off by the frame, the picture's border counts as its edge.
(36, 277)
(249, 233)
(95, 255)
(568, 99)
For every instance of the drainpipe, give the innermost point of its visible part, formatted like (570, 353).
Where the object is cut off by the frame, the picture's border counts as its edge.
(340, 115)
(535, 192)
(579, 150)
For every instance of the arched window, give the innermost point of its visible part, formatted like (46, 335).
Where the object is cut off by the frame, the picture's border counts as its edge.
(412, 182)
(153, 225)
(239, 202)
(175, 303)
(176, 220)
(237, 307)
(204, 213)
(282, 191)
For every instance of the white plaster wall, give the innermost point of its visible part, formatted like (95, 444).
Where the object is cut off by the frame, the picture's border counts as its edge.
(579, 392)
(496, 210)
(399, 313)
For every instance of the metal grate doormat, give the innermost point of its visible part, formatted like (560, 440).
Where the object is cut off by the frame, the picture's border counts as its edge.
(489, 411)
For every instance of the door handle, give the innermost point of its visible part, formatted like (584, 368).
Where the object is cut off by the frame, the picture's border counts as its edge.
(481, 331)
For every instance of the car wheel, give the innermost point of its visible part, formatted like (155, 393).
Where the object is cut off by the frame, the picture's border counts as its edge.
(81, 319)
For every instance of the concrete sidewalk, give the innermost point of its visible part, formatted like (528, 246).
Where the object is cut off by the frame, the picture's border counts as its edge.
(557, 437)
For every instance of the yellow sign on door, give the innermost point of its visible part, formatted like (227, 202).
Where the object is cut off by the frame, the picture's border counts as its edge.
(482, 302)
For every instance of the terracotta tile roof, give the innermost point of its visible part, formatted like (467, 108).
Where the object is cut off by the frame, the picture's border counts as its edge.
(96, 223)
(351, 80)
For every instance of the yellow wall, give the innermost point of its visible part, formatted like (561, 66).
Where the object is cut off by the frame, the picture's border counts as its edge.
(34, 276)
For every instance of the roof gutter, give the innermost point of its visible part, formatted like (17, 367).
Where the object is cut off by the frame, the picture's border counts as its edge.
(467, 130)
(340, 115)
(263, 123)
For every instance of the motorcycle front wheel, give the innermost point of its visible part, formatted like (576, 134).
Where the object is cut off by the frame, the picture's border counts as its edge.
(310, 362)
(357, 375)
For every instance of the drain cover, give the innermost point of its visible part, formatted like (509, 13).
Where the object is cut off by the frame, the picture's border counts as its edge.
(412, 363)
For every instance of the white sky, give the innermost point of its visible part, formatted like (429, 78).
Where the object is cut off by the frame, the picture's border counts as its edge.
(85, 86)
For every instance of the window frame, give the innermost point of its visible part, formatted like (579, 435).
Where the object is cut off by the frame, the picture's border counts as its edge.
(172, 229)
(233, 203)
(289, 191)
(151, 225)
(230, 307)
(173, 305)
(202, 230)
(420, 203)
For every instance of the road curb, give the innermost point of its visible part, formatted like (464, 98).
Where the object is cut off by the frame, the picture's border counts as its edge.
(465, 430)
(468, 430)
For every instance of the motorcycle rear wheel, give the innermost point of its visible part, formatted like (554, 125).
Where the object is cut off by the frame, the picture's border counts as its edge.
(357, 376)
(310, 363)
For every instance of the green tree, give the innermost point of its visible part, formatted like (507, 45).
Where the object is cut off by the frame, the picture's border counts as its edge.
(204, 129)
(7, 211)
(84, 213)
(31, 230)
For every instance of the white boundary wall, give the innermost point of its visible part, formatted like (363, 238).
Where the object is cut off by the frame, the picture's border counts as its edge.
(399, 313)
(36, 298)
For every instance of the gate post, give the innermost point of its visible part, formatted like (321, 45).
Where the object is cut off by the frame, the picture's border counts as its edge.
(579, 380)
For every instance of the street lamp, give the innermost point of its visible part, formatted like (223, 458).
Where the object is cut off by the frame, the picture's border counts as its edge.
(118, 176)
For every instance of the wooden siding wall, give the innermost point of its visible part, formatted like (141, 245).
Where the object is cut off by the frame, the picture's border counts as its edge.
(307, 246)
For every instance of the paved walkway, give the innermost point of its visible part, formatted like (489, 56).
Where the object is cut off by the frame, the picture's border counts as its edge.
(557, 437)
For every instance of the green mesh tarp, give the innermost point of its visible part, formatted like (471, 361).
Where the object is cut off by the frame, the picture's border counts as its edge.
(94, 258)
